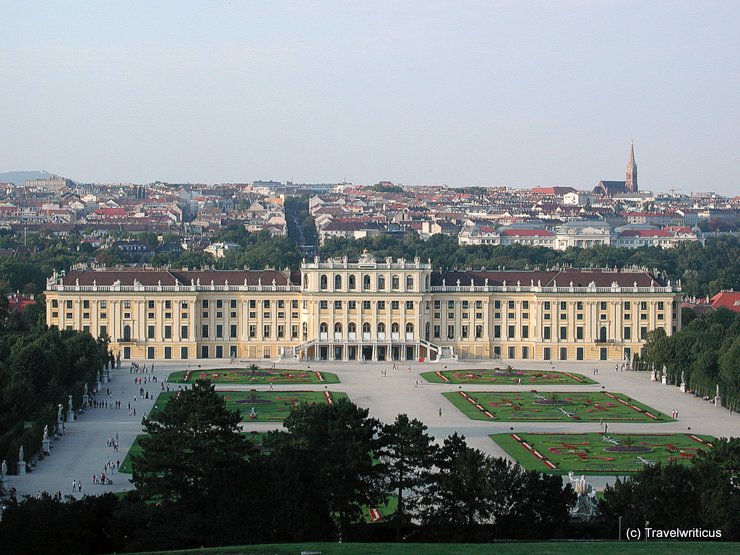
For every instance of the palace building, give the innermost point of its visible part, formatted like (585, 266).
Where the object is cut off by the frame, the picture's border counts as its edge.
(366, 310)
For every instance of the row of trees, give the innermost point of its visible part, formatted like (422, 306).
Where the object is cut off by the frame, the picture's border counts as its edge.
(200, 482)
(703, 270)
(38, 371)
(347, 461)
(705, 495)
(706, 352)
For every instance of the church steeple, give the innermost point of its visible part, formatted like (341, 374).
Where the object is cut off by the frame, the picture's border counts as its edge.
(630, 180)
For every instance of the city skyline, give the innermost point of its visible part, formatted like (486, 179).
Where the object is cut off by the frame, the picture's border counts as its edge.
(483, 94)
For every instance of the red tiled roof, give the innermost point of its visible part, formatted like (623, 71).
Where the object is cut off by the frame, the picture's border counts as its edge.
(727, 299)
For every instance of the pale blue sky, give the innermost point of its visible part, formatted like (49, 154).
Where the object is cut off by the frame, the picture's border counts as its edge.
(458, 93)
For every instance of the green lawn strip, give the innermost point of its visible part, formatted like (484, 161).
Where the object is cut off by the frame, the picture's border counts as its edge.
(498, 548)
(262, 376)
(125, 468)
(565, 406)
(587, 454)
(269, 406)
(499, 376)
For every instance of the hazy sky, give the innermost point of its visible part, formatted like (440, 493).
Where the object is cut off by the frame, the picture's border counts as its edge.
(458, 93)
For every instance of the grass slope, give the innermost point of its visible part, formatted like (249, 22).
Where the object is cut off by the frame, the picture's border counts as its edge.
(498, 548)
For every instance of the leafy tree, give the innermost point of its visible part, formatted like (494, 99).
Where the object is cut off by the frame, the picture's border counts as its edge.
(406, 452)
(191, 439)
(458, 496)
(341, 439)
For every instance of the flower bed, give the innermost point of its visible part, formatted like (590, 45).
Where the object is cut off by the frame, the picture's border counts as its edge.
(595, 453)
(529, 406)
(498, 376)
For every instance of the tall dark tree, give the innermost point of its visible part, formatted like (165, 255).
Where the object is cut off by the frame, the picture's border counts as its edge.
(407, 453)
(189, 440)
(341, 438)
(458, 495)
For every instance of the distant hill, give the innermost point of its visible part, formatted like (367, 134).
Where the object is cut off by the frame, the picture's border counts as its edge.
(19, 177)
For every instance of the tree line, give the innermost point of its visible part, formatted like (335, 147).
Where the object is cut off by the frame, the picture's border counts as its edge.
(38, 371)
(702, 269)
(199, 482)
(705, 353)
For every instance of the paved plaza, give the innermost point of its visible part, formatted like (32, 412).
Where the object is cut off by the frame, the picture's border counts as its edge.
(83, 450)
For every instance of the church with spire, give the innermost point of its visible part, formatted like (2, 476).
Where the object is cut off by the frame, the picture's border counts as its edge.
(629, 185)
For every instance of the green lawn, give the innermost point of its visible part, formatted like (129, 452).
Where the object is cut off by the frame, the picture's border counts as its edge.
(269, 406)
(593, 454)
(125, 468)
(503, 376)
(531, 406)
(261, 376)
(498, 548)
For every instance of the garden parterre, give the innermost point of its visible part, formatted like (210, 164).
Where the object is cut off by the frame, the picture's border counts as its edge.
(534, 406)
(507, 376)
(599, 453)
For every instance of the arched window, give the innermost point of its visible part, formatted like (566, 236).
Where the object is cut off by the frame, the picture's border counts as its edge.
(381, 327)
(381, 283)
(127, 333)
(324, 281)
(366, 282)
(395, 283)
(409, 283)
(409, 328)
(351, 327)
(352, 282)
(338, 328)
(426, 283)
(394, 327)
(305, 281)
(602, 334)
(366, 327)
(323, 328)
(337, 282)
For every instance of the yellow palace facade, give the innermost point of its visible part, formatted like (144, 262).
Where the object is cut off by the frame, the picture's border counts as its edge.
(367, 309)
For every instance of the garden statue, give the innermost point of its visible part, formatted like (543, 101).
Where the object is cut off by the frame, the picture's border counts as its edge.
(716, 391)
(3, 470)
(46, 433)
(69, 404)
(98, 376)
(86, 390)
(59, 412)
(683, 376)
(20, 454)
(585, 506)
